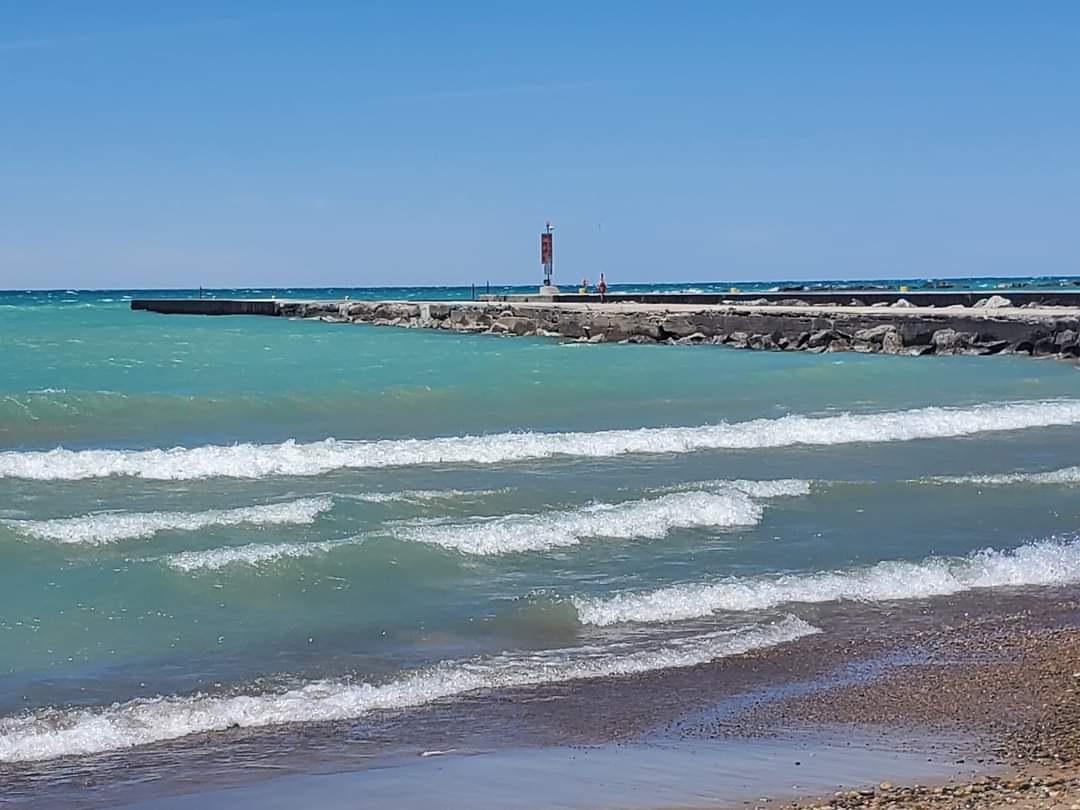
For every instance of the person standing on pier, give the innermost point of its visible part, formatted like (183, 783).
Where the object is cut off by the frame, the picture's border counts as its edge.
(601, 287)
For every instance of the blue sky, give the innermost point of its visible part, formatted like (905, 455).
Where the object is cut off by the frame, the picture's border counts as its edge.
(425, 143)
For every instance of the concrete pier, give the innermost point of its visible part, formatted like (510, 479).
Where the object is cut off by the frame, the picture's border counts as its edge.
(208, 306)
(842, 297)
(993, 325)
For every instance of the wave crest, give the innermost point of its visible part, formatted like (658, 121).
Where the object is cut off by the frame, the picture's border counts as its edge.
(252, 554)
(296, 459)
(1050, 562)
(110, 527)
(651, 518)
(1065, 476)
(53, 733)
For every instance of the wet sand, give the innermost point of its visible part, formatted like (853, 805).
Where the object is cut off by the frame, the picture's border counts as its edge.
(1013, 687)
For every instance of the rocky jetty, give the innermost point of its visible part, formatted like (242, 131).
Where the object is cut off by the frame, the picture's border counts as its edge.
(990, 327)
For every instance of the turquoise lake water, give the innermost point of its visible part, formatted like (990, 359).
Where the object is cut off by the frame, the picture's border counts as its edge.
(217, 522)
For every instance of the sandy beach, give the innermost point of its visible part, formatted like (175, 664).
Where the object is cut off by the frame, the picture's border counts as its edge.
(1010, 684)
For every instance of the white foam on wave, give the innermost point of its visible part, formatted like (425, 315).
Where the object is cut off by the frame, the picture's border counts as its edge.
(420, 495)
(1064, 476)
(110, 527)
(1049, 562)
(292, 458)
(775, 488)
(252, 554)
(648, 518)
(50, 733)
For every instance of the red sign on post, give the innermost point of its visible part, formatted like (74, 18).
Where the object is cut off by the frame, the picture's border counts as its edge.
(545, 249)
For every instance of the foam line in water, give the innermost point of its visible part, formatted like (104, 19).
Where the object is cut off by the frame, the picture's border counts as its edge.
(776, 488)
(649, 518)
(252, 554)
(110, 527)
(1049, 562)
(293, 458)
(1064, 476)
(53, 733)
(420, 495)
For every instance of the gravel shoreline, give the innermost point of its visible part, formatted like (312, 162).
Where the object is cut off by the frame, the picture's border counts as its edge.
(1013, 690)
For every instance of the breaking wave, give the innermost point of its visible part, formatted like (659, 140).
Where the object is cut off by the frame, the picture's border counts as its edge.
(1067, 475)
(50, 733)
(252, 554)
(292, 458)
(1049, 562)
(729, 507)
(776, 488)
(651, 518)
(420, 495)
(110, 527)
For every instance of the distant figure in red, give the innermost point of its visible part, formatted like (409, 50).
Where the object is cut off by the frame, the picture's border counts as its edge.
(601, 287)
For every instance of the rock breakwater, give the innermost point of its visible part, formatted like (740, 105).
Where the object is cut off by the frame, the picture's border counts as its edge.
(901, 330)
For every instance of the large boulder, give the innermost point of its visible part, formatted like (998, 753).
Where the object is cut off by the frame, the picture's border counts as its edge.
(892, 342)
(820, 339)
(949, 341)
(738, 340)
(621, 327)
(514, 325)
(359, 310)
(573, 325)
(991, 346)
(693, 339)
(678, 326)
(391, 310)
(467, 319)
(993, 302)
(1066, 338)
(316, 309)
(642, 325)
(873, 338)
(1043, 347)
(875, 334)
(1067, 342)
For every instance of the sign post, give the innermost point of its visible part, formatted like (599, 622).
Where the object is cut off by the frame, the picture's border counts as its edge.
(546, 253)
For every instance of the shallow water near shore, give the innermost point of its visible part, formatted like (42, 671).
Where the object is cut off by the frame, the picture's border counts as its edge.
(212, 524)
(640, 775)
